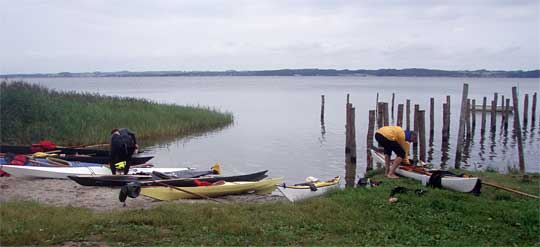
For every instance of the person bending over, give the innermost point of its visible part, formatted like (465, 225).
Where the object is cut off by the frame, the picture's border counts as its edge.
(123, 145)
(395, 139)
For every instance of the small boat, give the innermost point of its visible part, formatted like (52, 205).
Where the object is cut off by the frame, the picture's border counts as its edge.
(75, 154)
(436, 178)
(182, 179)
(135, 160)
(64, 172)
(21, 149)
(51, 162)
(164, 193)
(303, 191)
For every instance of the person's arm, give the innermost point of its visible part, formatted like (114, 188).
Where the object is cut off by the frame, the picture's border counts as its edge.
(400, 139)
(406, 149)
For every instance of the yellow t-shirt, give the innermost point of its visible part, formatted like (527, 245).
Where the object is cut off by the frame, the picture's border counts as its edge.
(397, 134)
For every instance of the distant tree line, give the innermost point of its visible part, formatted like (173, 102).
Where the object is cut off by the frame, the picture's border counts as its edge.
(414, 72)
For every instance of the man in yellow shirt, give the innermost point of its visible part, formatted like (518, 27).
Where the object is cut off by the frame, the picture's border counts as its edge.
(395, 139)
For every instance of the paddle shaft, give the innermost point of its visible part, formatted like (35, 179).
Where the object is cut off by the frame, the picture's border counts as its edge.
(189, 192)
(46, 164)
(511, 190)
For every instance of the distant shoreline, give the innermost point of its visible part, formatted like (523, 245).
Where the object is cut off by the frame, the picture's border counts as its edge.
(299, 72)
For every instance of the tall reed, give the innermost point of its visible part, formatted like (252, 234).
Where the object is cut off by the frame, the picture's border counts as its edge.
(30, 113)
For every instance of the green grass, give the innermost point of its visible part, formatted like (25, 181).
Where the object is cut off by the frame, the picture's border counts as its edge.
(30, 113)
(349, 217)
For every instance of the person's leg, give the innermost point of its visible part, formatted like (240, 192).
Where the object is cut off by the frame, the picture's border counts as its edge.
(128, 164)
(112, 163)
(392, 173)
(386, 164)
(128, 160)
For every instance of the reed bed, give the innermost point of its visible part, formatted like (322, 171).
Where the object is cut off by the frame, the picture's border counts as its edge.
(30, 113)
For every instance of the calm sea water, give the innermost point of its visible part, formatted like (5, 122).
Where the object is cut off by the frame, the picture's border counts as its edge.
(277, 119)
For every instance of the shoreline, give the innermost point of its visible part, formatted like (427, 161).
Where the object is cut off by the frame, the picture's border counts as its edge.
(67, 193)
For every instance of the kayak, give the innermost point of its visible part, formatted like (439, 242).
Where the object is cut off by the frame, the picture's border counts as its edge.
(182, 179)
(165, 193)
(303, 191)
(64, 172)
(75, 154)
(438, 178)
(19, 149)
(48, 163)
(135, 160)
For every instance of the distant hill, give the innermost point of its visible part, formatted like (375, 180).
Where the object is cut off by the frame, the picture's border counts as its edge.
(303, 72)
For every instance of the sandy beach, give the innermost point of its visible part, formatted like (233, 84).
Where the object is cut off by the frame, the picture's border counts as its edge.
(64, 192)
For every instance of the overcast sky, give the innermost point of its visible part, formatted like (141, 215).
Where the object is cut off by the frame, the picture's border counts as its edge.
(141, 35)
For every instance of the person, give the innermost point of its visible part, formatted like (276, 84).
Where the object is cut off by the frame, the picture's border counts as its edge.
(395, 139)
(123, 145)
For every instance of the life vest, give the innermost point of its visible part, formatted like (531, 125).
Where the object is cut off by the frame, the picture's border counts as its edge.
(120, 165)
(43, 146)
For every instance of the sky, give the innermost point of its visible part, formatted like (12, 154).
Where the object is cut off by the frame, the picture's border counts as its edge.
(139, 35)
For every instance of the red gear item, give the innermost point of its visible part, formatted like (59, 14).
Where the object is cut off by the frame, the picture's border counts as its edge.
(201, 183)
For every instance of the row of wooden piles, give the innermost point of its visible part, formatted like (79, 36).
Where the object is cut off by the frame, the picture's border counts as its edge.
(467, 124)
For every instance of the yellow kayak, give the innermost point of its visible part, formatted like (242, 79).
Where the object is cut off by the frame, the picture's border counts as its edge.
(229, 188)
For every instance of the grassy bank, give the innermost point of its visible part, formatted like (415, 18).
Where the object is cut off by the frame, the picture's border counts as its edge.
(30, 113)
(350, 217)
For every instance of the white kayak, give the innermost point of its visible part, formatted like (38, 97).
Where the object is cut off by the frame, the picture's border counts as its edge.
(460, 184)
(300, 192)
(64, 172)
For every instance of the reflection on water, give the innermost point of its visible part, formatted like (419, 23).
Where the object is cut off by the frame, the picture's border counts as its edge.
(278, 120)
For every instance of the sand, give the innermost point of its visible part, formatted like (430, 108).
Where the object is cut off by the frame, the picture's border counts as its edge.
(64, 192)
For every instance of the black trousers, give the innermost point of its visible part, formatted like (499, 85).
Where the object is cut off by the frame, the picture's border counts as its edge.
(119, 155)
(390, 146)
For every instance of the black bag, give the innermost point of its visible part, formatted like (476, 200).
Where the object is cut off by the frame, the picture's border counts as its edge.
(132, 189)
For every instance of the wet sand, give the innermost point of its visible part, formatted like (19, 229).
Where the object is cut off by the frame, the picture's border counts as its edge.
(64, 192)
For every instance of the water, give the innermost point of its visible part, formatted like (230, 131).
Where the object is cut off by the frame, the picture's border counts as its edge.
(277, 119)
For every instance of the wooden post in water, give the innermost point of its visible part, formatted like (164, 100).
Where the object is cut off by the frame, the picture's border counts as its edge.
(408, 114)
(393, 96)
(507, 113)
(415, 128)
(494, 113)
(445, 124)
(422, 133)
(473, 114)
(350, 148)
(448, 114)
(380, 115)
(386, 121)
(503, 112)
(517, 129)
(533, 110)
(431, 118)
(399, 115)
(468, 119)
(526, 111)
(483, 127)
(322, 109)
(369, 141)
(459, 146)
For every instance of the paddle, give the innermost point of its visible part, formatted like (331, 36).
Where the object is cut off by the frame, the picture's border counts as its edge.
(511, 190)
(58, 161)
(186, 191)
(46, 164)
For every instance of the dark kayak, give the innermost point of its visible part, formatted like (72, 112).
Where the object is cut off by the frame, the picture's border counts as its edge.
(17, 149)
(178, 180)
(135, 160)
